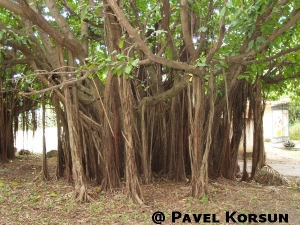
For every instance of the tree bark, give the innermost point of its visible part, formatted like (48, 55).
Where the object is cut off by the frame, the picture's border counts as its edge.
(197, 118)
(46, 175)
(132, 183)
(258, 154)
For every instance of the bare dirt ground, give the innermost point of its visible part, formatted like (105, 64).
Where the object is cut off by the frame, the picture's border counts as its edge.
(24, 201)
(276, 153)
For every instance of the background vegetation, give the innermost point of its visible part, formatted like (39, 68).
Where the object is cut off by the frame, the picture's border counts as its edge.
(294, 115)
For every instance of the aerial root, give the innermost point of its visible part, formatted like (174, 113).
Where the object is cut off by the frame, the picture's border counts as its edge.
(268, 175)
(82, 195)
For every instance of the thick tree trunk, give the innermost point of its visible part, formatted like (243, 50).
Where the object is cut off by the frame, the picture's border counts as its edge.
(176, 168)
(258, 154)
(75, 140)
(196, 139)
(7, 110)
(110, 171)
(74, 132)
(111, 146)
(132, 182)
(204, 164)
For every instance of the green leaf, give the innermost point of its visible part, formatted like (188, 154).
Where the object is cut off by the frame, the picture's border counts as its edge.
(250, 45)
(128, 69)
(224, 64)
(108, 59)
(235, 22)
(119, 70)
(203, 29)
(121, 44)
(241, 76)
(291, 58)
(15, 183)
(84, 12)
(53, 194)
(201, 62)
(229, 5)
(135, 62)
(254, 67)
(223, 10)
(104, 70)
(260, 40)
(121, 57)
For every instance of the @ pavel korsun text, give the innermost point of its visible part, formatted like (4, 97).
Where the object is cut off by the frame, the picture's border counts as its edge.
(230, 217)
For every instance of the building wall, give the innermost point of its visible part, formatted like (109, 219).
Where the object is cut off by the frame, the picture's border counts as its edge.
(268, 128)
(267, 121)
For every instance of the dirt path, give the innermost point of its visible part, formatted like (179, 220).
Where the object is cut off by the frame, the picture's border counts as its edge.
(285, 161)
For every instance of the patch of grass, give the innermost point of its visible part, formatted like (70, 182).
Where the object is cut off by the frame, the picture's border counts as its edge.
(204, 199)
(253, 199)
(71, 206)
(17, 209)
(14, 199)
(125, 218)
(295, 131)
(130, 203)
(96, 208)
(4, 189)
(113, 216)
(136, 215)
(190, 208)
(190, 199)
(111, 205)
(101, 198)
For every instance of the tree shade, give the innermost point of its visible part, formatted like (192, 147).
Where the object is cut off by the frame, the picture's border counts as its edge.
(146, 89)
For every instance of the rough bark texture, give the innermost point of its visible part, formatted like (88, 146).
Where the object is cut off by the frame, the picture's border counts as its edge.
(46, 175)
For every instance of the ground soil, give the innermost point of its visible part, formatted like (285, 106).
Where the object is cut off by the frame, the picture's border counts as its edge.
(26, 199)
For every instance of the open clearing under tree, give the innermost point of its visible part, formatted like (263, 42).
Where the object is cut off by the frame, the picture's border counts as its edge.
(24, 201)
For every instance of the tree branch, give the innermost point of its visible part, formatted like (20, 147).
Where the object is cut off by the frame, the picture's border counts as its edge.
(176, 89)
(143, 46)
(279, 78)
(282, 53)
(185, 29)
(68, 82)
(25, 11)
(222, 30)
(275, 34)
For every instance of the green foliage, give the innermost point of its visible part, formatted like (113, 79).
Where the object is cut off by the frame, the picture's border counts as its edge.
(294, 131)
(122, 65)
(294, 119)
(294, 113)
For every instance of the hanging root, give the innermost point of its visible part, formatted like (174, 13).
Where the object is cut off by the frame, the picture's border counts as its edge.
(267, 175)
(136, 199)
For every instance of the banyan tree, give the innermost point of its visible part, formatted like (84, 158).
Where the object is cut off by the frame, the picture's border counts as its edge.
(146, 89)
